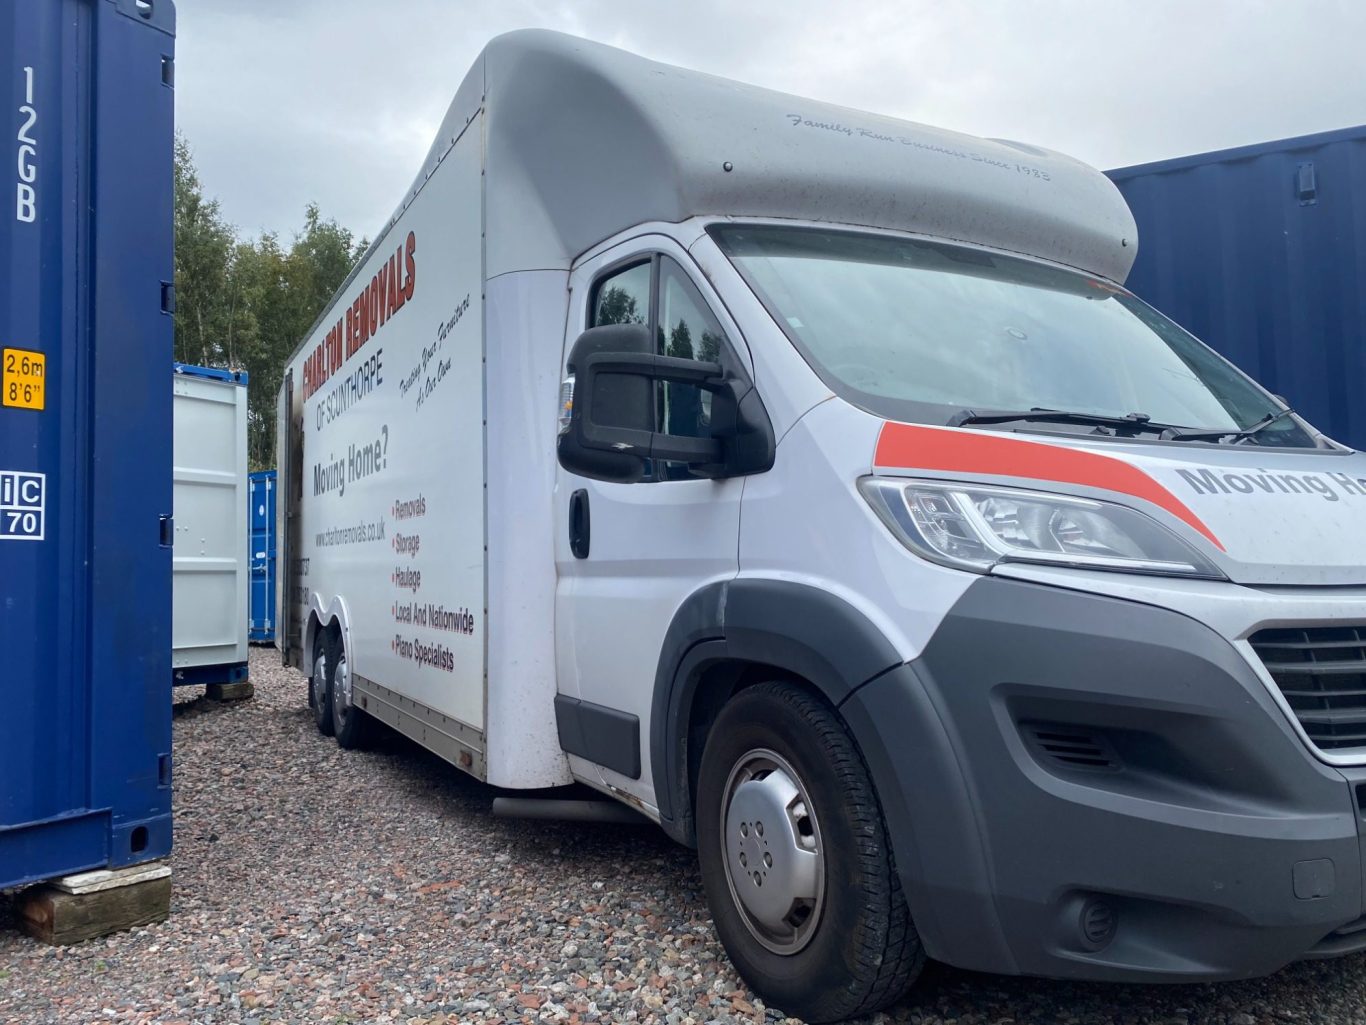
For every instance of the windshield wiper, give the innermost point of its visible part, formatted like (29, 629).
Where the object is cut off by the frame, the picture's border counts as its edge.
(1131, 422)
(1236, 435)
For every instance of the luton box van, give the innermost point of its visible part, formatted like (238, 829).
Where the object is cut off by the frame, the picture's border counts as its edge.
(808, 481)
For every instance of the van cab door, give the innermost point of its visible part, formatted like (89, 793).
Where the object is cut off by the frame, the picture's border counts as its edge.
(637, 550)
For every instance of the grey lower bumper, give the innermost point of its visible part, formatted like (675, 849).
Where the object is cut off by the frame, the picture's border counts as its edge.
(1057, 759)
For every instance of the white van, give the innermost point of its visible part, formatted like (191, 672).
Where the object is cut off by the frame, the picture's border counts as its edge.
(807, 480)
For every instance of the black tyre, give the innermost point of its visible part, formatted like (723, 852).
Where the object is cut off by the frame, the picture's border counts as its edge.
(320, 686)
(350, 724)
(796, 861)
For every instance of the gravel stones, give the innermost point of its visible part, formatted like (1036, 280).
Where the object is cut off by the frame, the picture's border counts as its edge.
(317, 885)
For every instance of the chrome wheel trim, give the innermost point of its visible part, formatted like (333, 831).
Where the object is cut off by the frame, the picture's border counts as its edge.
(772, 851)
(317, 683)
(341, 689)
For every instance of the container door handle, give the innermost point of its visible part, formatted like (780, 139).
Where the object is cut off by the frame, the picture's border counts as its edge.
(579, 524)
(1306, 184)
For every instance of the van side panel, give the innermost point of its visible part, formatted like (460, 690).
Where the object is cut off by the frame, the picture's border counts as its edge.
(525, 331)
(291, 594)
(391, 539)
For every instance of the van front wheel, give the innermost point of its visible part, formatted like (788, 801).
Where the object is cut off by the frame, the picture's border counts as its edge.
(796, 861)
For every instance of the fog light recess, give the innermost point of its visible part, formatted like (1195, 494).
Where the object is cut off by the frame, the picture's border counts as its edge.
(1097, 923)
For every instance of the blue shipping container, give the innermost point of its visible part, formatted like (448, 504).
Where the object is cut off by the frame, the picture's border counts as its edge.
(85, 435)
(261, 498)
(1261, 252)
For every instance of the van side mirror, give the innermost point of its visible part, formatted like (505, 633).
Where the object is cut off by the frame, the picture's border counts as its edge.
(611, 431)
(628, 401)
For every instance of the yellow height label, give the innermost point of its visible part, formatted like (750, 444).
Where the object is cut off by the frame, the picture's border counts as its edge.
(23, 379)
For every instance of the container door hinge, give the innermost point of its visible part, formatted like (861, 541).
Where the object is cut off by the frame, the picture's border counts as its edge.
(167, 531)
(167, 297)
(157, 13)
(1306, 184)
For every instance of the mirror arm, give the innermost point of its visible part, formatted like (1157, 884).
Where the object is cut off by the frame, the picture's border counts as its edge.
(661, 368)
(679, 449)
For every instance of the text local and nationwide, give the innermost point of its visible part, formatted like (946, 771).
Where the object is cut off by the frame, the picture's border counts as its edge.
(387, 293)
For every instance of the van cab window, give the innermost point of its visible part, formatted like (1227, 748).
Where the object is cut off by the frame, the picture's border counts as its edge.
(686, 330)
(622, 298)
(659, 293)
(911, 329)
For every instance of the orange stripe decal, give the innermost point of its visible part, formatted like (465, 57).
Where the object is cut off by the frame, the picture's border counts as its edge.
(911, 447)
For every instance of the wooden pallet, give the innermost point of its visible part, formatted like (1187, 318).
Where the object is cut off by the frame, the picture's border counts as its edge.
(230, 691)
(82, 907)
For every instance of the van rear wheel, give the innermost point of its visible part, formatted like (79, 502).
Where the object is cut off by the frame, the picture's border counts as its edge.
(320, 687)
(796, 862)
(351, 725)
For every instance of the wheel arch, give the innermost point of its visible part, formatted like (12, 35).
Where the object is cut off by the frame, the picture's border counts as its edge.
(332, 618)
(733, 633)
(312, 629)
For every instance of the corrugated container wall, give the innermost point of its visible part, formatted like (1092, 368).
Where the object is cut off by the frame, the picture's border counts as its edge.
(261, 499)
(210, 588)
(1261, 252)
(85, 435)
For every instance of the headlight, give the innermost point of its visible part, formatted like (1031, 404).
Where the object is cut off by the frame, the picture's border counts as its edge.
(976, 526)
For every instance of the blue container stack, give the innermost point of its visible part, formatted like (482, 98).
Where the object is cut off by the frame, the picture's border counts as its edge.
(261, 495)
(1261, 252)
(85, 437)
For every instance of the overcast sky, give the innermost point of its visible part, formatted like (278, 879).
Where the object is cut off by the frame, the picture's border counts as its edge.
(335, 101)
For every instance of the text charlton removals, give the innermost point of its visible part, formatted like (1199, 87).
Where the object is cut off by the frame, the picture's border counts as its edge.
(387, 292)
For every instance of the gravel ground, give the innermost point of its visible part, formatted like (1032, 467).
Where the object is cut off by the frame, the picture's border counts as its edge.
(316, 885)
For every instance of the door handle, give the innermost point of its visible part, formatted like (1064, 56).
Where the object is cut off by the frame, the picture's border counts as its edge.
(579, 524)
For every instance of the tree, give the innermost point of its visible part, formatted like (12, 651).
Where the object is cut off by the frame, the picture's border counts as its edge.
(294, 287)
(246, 305)
(618, 306)
(203, 253)
(259, 283)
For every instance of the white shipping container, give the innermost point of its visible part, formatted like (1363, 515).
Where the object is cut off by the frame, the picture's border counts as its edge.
(210, 585)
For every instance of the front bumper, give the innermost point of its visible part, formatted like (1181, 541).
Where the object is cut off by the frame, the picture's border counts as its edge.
(1057, 760)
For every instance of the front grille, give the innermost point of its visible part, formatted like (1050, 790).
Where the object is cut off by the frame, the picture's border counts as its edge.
(1321, 671)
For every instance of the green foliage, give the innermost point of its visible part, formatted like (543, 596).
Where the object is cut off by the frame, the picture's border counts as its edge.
(203, 255)
(618, 306)
(246, 304)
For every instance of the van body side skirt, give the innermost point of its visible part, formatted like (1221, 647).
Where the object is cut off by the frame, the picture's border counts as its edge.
(605, 736)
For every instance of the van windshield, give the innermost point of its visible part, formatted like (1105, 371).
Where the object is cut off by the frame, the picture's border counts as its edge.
(935, 333)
